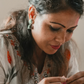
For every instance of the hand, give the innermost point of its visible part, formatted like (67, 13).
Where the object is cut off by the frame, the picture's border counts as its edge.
(78, 78)
(53, 80)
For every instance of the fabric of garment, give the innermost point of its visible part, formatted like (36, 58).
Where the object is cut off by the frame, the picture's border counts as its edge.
(13, 70)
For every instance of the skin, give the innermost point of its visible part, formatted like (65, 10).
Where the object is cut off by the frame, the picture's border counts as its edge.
(78, 78)
(44, 37)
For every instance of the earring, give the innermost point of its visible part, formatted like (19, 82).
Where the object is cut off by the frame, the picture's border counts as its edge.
(30, 24)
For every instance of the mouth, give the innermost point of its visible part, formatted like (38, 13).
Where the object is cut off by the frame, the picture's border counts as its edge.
(55, 47)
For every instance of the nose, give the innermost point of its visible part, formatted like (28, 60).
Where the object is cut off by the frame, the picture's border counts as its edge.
(60, 37)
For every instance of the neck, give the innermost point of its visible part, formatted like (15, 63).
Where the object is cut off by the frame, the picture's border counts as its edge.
(38, 61)
(38, 57)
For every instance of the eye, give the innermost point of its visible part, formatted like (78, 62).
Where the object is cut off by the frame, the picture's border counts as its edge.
(70, 31)
(54, 29)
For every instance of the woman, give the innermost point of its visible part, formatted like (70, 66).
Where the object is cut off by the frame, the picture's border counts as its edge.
(36, 45)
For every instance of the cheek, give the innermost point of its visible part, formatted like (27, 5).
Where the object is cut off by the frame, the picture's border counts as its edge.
(68, 37)
(77, 20)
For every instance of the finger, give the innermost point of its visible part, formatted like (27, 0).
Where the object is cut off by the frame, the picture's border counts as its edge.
(56, 79)
(78, 81)
(75, 77)
(56, 83)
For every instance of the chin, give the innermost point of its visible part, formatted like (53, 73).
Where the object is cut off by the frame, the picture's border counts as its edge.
(51, 53)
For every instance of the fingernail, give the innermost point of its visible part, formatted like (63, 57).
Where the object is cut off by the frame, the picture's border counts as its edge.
(63, 76)
(64, 83)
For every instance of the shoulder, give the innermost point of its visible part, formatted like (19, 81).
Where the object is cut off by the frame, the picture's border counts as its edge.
(7, 38)
(71, 51)
(10, 53)
(10, 60)
(71, 47)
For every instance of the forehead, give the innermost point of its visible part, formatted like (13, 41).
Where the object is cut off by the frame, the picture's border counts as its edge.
(68, 17)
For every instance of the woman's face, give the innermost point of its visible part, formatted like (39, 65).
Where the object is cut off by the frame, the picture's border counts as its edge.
(50, 31)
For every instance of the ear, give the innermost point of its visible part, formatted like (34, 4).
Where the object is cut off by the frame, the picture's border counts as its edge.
(32, 12)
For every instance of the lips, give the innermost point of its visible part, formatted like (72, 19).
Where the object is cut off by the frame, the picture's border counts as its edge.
(55, 47)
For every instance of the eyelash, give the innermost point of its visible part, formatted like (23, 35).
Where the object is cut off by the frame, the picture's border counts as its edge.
(57, 29)
(70, 31)
(54, 29)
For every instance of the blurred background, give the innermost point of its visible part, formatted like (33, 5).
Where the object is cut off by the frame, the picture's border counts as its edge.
(10, 5)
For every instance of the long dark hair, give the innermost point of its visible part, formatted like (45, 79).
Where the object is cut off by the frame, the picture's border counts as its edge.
(17, 22)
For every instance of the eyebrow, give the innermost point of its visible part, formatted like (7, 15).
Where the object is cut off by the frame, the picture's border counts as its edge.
(62, 24)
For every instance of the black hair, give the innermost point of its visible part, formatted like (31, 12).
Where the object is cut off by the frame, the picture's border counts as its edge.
(53, 6)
